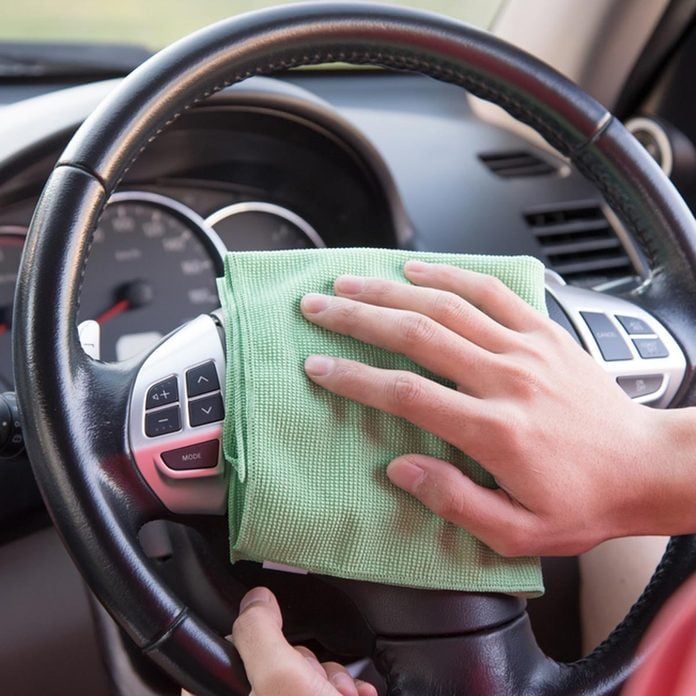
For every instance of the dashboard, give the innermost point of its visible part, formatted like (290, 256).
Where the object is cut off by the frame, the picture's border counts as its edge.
(372, 159)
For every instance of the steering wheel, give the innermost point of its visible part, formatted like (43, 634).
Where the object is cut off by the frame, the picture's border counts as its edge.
(79, 412)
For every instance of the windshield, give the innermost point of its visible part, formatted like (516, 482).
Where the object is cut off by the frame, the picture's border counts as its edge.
(156, 23)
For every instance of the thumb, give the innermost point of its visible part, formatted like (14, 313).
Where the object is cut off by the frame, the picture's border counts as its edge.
(273, 666)
(491, 515)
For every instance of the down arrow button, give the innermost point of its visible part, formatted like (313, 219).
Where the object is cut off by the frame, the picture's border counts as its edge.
(207, 409)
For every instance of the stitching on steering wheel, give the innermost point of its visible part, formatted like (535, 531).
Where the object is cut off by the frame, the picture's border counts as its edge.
(618, 201)
(617, 634)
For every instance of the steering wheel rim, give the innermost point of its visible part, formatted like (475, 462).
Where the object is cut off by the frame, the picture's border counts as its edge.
(75, 409)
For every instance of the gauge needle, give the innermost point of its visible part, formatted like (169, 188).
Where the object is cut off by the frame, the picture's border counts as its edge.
(134, 294)
(3, 329)
(113, 311)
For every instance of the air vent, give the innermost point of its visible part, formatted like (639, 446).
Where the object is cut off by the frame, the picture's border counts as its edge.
(580, 243)
(510, 165)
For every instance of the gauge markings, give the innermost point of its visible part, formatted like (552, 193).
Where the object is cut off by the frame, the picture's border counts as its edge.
(152, 267)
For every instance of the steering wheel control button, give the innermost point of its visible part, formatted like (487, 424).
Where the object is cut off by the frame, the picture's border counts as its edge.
(164, 421)
(650, 348)
(202, 379)
(640, 386)
(610, 342)
(202, 455)
(207, 409)
(634, 326)
(163, 393)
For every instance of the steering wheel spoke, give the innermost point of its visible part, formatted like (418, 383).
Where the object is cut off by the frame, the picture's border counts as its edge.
(175, 419)
(630, 343)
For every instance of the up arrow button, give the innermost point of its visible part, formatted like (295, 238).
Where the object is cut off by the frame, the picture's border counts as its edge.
(202, 379)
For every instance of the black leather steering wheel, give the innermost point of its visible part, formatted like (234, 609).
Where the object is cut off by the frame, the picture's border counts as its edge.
(75, 408)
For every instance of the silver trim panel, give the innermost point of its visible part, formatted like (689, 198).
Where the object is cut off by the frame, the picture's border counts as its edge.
(193, 491)
(207, 235)
(271, 209)
(575, 300)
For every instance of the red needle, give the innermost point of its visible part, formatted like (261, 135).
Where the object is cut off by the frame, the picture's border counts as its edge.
(120, 307)
(3, 329)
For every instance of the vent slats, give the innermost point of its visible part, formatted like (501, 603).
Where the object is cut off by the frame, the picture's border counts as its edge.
(580, 243)
(509, 165)
(582, 246)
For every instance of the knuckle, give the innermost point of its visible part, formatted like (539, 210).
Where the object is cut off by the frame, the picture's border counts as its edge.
(524, 380)
(449, 504)
(346, 373)
(511, 545)
(449, 308)
(535, 349)
(347, 314)
(490, 288)
(417, 329)
(248, 624)
(406, 391)
(377, 288)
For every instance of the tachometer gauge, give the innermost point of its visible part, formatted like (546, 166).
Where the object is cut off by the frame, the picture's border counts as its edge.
(11, 244)
(255, 225)
(152, 267)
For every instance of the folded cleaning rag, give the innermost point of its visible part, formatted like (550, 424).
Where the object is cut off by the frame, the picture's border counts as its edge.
(308, 485)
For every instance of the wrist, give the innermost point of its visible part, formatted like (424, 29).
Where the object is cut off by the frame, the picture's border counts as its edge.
(667, 504)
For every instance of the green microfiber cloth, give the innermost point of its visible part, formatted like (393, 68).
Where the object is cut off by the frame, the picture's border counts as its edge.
(308, 485)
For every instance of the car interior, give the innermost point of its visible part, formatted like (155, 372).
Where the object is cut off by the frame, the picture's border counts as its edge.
(206, 148)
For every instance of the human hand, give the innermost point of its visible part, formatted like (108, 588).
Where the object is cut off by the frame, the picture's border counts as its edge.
(274, 667)
(574, 457)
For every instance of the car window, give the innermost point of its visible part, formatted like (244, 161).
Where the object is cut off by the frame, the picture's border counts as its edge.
(155, 23)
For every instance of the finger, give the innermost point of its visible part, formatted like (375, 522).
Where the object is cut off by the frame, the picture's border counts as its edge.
(451, 415)
(486, 292)
(365, 689)
(444, 307)
(271, 663)
(340, 679)
(414, 335)
(311, 660)
(490, 515)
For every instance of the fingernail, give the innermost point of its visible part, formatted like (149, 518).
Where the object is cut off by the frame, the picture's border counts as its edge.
(349, 285)
(259, 595)
(319, 365)
(405, 474)
(342, 681)
(416, 266)
(314, 303)
(365, 687)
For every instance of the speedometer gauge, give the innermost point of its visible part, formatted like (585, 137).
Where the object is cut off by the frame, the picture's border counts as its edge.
(255, 225)
(152, 267)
